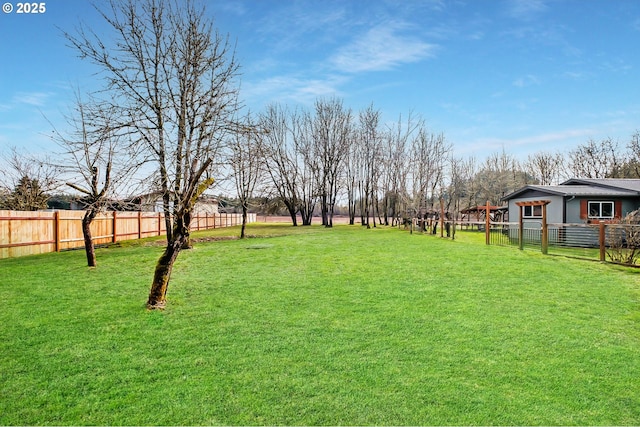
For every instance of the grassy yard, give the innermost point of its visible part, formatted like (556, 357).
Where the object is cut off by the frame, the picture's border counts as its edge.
(343, 327)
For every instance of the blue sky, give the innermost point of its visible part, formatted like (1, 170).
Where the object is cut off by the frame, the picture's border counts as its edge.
(523, 75)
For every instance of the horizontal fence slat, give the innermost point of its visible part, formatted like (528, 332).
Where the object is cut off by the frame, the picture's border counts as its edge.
(49, 242)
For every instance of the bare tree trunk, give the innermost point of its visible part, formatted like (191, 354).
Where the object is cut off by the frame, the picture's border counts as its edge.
(244, 221)
(164, 266)
(306, 213)
(89, 247)
(292, 213)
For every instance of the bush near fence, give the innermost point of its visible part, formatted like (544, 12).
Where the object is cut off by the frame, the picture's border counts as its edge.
(27, 233)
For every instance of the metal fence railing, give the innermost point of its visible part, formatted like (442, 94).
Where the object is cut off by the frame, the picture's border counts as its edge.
(619, 243)
(608, 242)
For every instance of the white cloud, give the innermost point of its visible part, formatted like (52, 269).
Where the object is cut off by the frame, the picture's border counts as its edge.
(234, 7)
(293, 28)
(616, 66)
(289, 87)
(526, 9)
(578, 75)
(535, 140)
(36, 99)
(528, 80)
(381, 48)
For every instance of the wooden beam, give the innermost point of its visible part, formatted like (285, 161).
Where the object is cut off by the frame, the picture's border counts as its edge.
(534, 203)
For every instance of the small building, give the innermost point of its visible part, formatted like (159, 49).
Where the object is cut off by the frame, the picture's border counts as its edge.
(575, 201)
(152, 202)
(578, 201)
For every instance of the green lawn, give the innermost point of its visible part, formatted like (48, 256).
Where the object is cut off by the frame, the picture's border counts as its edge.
(346, 326)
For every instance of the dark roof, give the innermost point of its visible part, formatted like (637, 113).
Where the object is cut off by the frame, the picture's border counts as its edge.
(613, 183)
(575, 187)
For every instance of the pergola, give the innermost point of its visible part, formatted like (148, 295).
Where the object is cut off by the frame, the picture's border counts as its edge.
(544, 235)
(497, 211)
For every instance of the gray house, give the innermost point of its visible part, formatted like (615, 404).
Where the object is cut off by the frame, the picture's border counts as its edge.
(576, 201)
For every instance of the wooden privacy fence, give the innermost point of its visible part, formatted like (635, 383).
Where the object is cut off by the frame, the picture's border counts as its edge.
(28, 233)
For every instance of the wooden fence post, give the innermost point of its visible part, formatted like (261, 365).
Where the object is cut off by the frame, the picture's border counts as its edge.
(521, 229)
(545, 231)
(56, 229)
(159, 223)
(602, 241)
(487, 226)
(113, 228)
(139, 225)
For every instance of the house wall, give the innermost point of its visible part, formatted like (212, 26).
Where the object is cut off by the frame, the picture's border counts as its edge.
(573, 207)
(573, 210)
(554, 209)
(587, 237)
(629, 206)
(205, 208)
(155, 204)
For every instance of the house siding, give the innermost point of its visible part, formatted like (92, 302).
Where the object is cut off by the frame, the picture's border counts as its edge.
(555, 214)
(573, 210)
(573, 207)
(629, 205)
(554, 209)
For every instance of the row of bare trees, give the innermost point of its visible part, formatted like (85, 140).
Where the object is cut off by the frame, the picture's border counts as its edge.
(313, 159)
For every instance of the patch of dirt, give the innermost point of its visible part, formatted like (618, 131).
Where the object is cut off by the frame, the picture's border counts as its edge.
(213, 238)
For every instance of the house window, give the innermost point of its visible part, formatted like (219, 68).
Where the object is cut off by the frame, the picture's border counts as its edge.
(532, 212)
(601, 210)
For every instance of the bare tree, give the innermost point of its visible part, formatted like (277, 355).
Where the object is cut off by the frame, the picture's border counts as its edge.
(470, 193)
(280, 156)
(246, 165)
(456, 188)
(98, 159)
(623, 239)
(545, 167)
(174, 78)
(95, 161)
(369, 162)
(594, 159)
(429, 154)
(332, 129)
(397, 166)
(308, 164)
(500, 175)
(629, 166)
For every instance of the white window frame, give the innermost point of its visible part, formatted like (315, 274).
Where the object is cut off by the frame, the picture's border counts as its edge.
(600, 203)
(532, 211)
